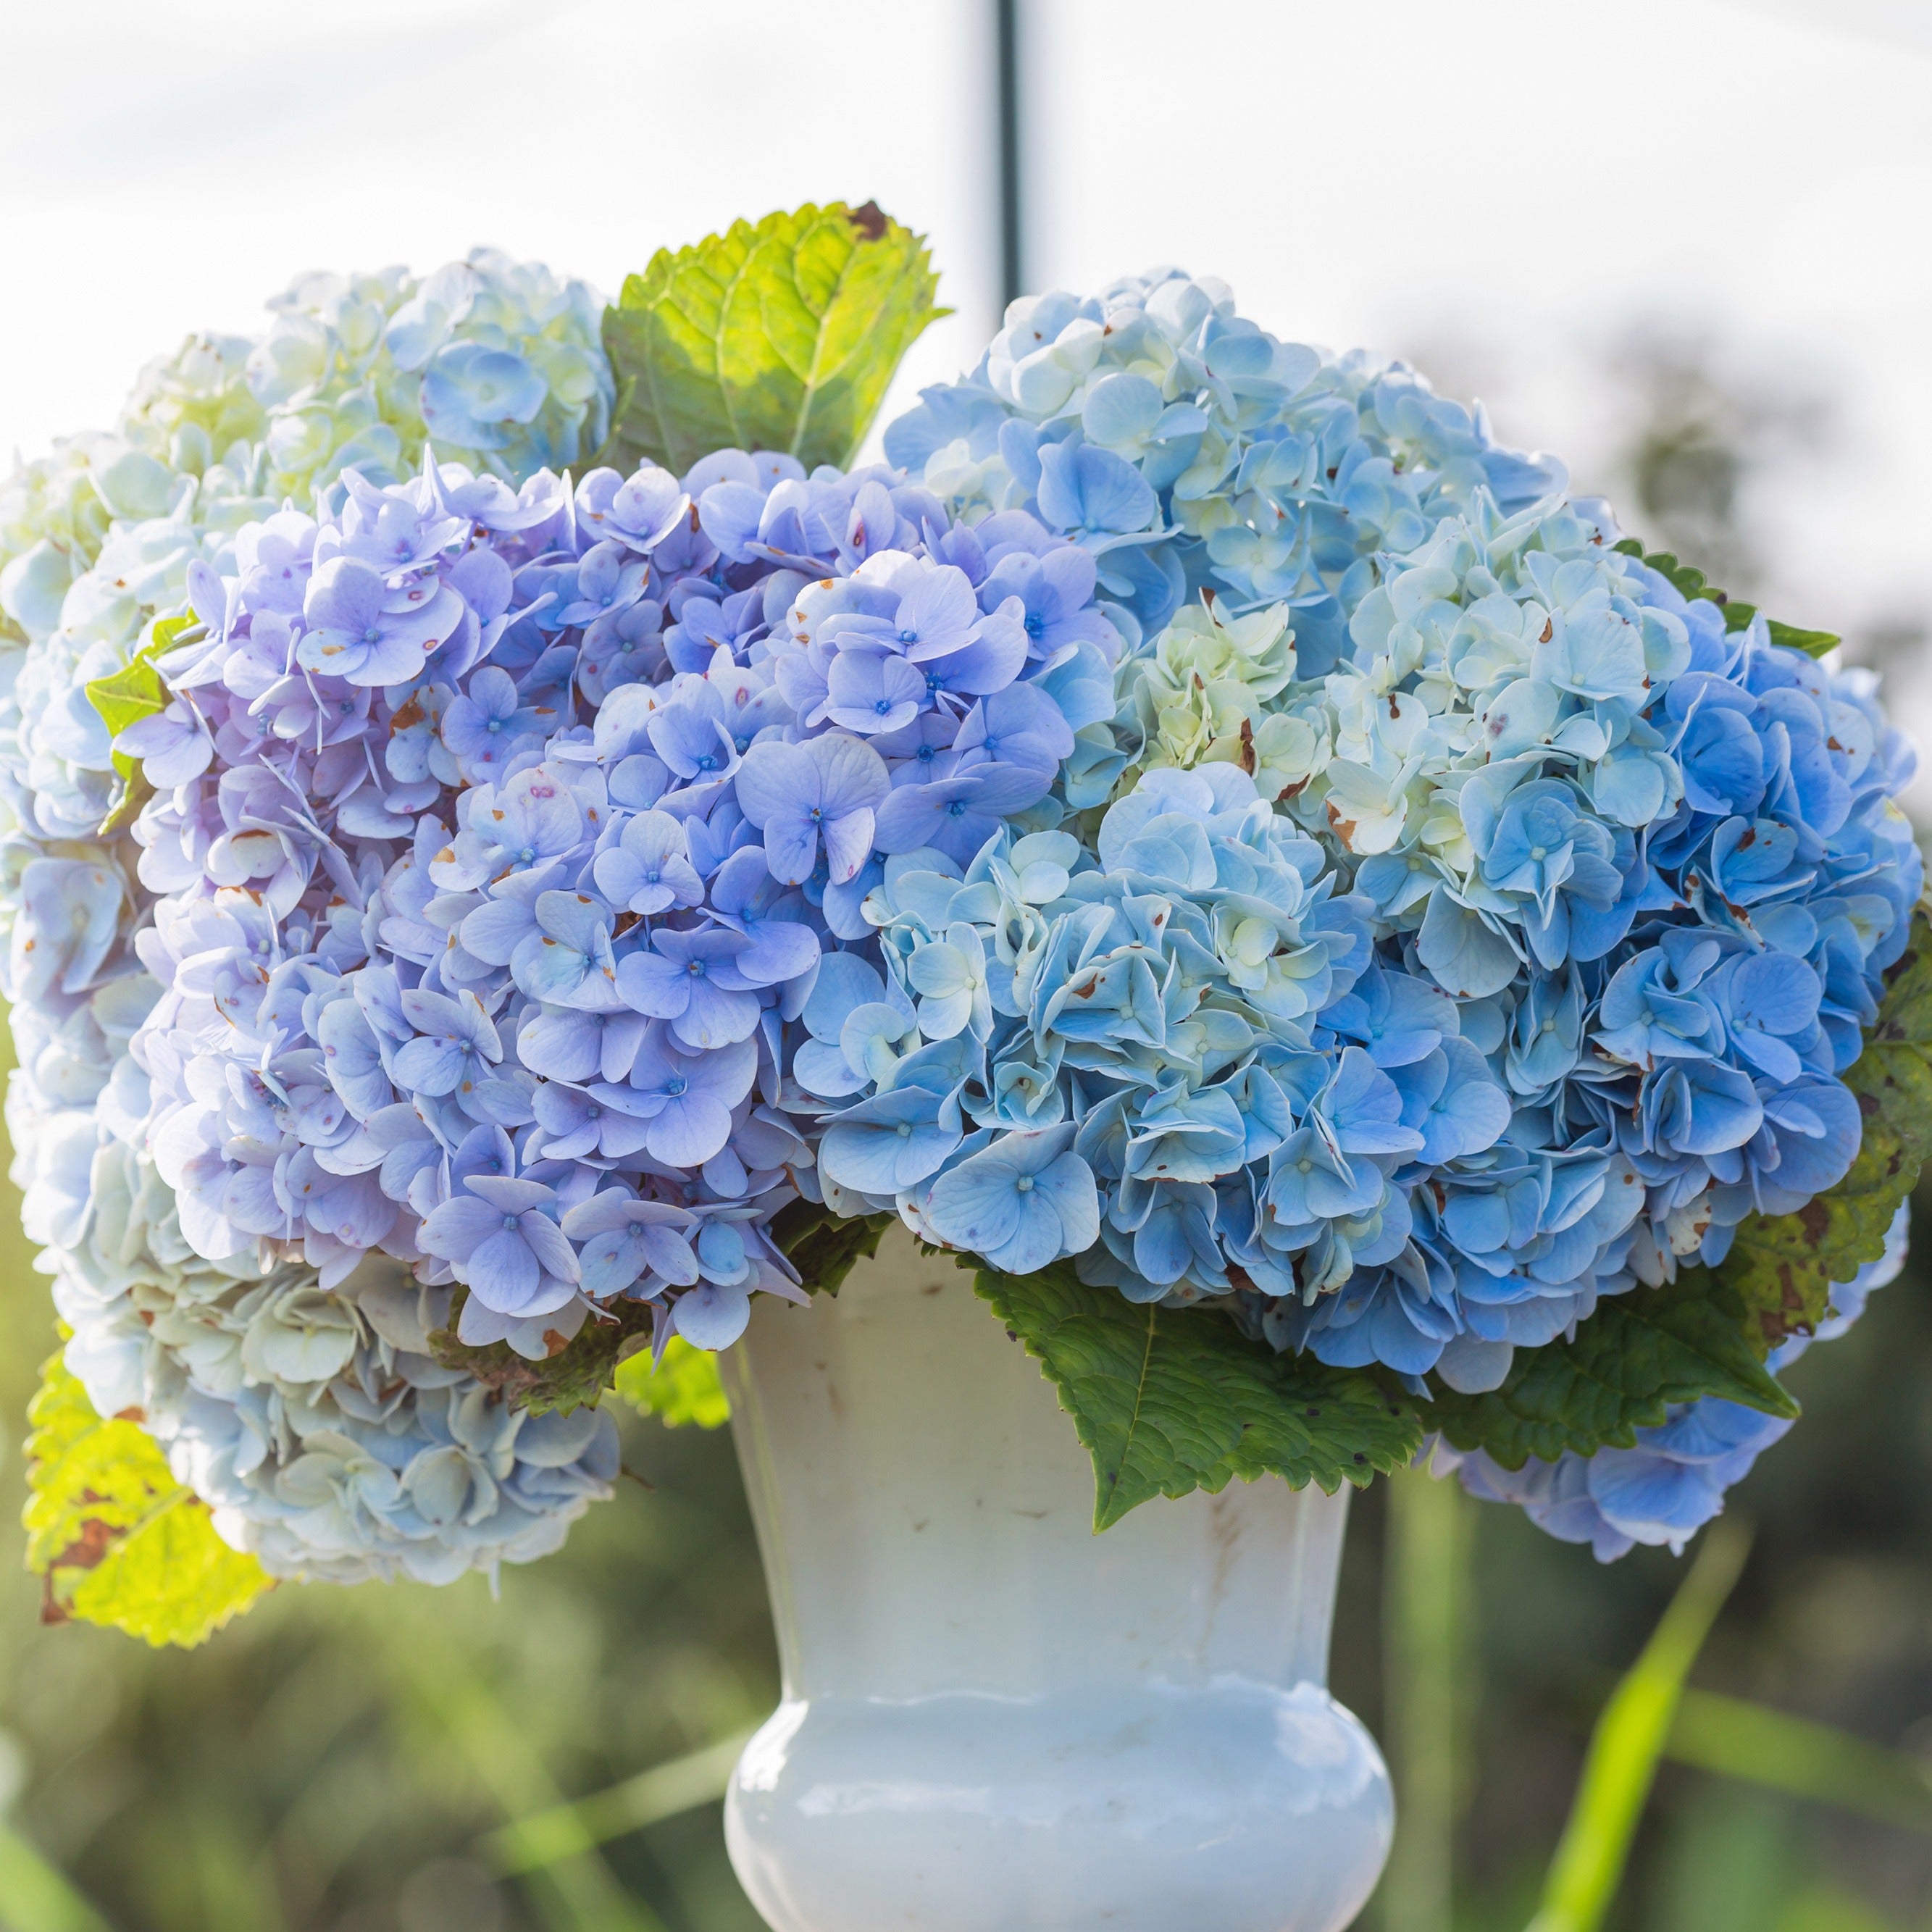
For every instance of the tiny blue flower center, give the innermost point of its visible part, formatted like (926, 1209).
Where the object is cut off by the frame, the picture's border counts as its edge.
(707, 761)
(696, 969)
(905, 1130)
(1024, 1184)
(373, 635)
(495, 724)
(675, 1085)
(528, 854)
(908, 636)
(956, 809)
(1307, 1166)
(1537, 852)
(1035, 626)
(509, 1220)
(881, 706)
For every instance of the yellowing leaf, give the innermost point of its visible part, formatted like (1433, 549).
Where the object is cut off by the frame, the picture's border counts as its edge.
(117, 1539)
(683, 1387)
(784, 336)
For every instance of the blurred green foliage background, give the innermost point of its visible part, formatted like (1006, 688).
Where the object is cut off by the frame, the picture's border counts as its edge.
(336, 1761)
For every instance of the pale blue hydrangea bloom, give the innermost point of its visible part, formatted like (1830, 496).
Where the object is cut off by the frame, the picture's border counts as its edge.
(1111, 1053)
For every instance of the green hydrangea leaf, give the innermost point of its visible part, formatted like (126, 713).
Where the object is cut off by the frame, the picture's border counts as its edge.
(124, 698)
(1782, 1266)
(1691, 582)
(1641, 1352)
(822, 1247)
(1813, 643)
(1170, 1400)
(684, 1387)
(783, 336)
(574, 1374)
(116, 1538)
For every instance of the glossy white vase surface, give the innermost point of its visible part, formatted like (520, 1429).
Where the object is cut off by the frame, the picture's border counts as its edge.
(993, 1720)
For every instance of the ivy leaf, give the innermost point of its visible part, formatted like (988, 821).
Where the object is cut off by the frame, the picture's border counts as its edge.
(683, 1387)
(575, 1373)
(1640, 1352)
(1782, 1266)
(1167, 1401)
(822, 1247)
(116, 1538)
(1691, 582)
(784, 336)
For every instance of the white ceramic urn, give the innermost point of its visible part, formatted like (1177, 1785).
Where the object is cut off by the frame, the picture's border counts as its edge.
(993, 1720)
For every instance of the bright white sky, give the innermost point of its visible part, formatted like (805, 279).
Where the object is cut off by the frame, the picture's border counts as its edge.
(1521, 175)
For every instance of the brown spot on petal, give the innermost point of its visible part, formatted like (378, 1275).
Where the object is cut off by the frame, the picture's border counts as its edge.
(870, 220)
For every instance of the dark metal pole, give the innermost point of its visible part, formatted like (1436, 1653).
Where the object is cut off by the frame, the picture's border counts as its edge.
(1012, 280)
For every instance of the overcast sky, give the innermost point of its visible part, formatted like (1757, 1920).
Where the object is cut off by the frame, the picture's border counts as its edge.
(1523, 176)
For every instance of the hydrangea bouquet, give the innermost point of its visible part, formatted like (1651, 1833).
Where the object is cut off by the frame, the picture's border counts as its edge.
(516, 843)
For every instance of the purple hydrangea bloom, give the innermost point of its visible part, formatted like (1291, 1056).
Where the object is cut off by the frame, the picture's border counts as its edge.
(493, 857)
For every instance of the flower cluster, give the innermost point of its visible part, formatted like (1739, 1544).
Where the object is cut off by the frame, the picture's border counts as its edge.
(1672, 1482)
(1111, 1053)
(496, 359)
(1186, 447)
(1202, 810)
(501, 834)
(1647, 866)
(1633, 874)
(333, 1455)
(319, 1425)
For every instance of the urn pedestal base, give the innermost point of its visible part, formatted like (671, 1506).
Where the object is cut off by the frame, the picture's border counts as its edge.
(994, 1721)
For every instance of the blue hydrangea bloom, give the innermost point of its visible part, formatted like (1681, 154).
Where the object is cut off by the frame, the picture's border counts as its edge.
(1673, 1481)
(1632, 877)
